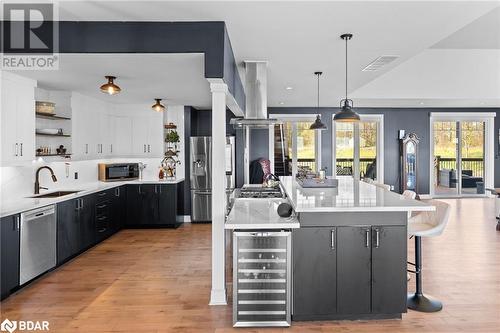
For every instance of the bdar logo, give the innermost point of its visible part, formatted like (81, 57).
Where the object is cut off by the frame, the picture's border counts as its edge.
(8, 325)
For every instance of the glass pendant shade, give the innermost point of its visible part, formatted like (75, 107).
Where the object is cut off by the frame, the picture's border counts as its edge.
(318, 124)
(158, 107)
(110, 88)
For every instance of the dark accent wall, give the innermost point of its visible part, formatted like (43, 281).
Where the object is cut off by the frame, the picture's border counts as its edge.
(260, 144)
(410, 119)
(201, 125)
(185, 196)
(209, 38)
(231, 74)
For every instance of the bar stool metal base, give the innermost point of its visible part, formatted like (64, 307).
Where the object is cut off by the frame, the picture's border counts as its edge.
(423, 303)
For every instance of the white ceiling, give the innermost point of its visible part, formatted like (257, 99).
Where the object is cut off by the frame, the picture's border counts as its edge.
(177, 78)
(300, 37)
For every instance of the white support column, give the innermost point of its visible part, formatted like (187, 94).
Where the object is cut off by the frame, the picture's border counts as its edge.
(219, 91)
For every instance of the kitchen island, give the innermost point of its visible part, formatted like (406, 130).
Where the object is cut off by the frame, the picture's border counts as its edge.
(341, 255)
(349, 255)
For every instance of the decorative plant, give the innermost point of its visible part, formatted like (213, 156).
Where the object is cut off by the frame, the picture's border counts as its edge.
(172, 137)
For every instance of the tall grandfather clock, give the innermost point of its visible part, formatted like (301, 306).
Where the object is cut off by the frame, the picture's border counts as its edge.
(408, 150)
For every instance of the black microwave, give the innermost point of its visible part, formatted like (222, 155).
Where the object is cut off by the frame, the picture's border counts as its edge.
(118, 171)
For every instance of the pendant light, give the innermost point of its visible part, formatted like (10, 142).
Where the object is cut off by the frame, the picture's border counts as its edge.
(318, 125)
(110, 88)
(158, 107)
(346, 113)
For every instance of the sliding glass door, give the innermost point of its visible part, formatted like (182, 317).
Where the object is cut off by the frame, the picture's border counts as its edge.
(357, 147)
(460, 156)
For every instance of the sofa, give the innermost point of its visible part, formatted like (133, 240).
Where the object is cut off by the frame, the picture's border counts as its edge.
(448, 178)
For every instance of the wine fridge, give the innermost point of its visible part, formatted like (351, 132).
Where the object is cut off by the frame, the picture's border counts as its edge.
(261, 278)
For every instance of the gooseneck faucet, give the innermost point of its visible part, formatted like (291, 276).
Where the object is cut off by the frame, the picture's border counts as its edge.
(37, 176)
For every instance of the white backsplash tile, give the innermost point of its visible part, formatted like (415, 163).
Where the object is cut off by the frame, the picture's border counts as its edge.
(18, 181)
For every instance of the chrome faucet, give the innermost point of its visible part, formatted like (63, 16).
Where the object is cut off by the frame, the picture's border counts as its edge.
(37, 176)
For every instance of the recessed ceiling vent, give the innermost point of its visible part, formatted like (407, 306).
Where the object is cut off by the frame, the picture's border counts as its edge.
(380, 62)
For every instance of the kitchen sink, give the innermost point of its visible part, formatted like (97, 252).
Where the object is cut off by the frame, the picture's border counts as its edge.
(54, 194)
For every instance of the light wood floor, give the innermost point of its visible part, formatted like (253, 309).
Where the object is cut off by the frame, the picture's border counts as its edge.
(159, 281)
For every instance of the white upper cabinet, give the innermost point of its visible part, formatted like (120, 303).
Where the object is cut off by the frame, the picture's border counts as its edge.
(147, 135)
(120, 131)
(17, 119)
(89, 127)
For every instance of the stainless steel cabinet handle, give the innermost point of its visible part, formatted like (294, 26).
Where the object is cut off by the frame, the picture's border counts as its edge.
(332, 239)
(160, 188)
(102, 206)
(367, 237)
(86, 148)
(16, 149)
(377, 238)
(17, 224)
(111, 148)
(144, 148)
(156, 189)
(102, 194)
(139, 188)
(149, 148)
(21, 145)
(117, 192)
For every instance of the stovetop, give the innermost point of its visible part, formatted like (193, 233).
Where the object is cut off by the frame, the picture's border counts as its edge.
(259, 192)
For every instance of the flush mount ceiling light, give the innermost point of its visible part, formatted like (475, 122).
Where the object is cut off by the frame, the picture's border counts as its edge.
(318, 125)
(288, 88)
(346, 113)
(110, 88)
(158, 107)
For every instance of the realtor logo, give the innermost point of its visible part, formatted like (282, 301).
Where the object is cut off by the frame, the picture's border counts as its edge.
(29, 36)
(8, 325)
(24, 325)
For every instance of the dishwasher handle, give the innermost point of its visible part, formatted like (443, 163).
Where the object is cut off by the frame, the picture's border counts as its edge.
(37, 213)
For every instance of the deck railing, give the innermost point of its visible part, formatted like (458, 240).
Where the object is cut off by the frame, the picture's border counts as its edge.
(476, 165)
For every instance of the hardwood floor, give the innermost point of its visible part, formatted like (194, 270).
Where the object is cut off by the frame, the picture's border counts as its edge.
(159, 281)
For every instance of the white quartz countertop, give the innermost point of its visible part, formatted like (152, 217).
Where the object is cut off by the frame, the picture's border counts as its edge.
(350, 196)
(15, 205)
(259, 214)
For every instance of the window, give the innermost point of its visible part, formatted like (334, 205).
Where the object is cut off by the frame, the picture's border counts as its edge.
(293, 145)
(358, 148)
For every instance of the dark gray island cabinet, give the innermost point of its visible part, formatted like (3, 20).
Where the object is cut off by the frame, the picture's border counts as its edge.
(347, 268)
(349, 255)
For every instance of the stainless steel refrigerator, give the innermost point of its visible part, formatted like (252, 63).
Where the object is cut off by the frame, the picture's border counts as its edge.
(201, 175)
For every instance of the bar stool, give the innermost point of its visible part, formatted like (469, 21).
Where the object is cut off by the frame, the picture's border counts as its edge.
(426, 224)
(408, 194)
(384, 186)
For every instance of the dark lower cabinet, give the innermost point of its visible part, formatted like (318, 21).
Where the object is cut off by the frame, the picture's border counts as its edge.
(87, 221)
(315, 268)
(349, 272)
(354, 269)
(167, 201)
(118, 208)
(152, 205)
(9, 257)
(68, 230)
(389, 283)
(75, 227)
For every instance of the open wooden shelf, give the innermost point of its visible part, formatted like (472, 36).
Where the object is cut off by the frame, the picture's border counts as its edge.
(50, 116)
(49, 155)
(59, 135)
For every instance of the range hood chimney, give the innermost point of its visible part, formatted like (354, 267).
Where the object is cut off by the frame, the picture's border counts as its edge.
(256, 97)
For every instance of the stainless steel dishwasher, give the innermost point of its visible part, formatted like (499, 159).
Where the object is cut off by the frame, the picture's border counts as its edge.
(38, 242)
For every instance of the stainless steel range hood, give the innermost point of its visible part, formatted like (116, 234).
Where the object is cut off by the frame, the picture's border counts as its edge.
(256, 97)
